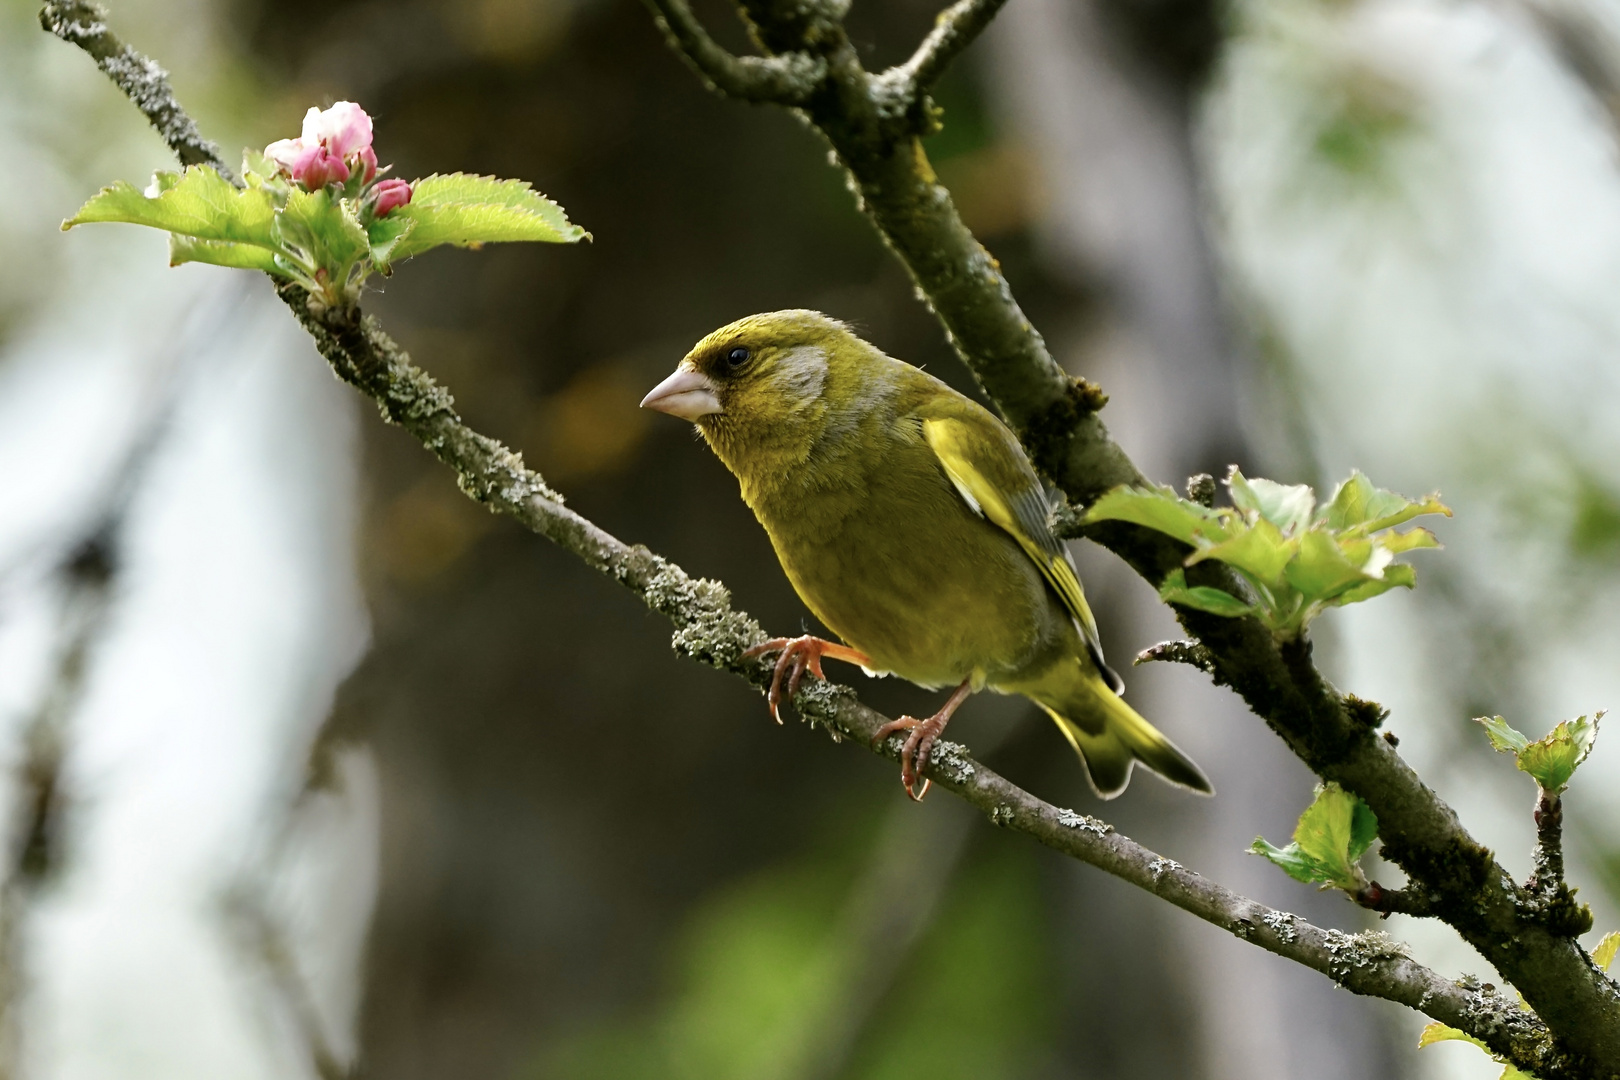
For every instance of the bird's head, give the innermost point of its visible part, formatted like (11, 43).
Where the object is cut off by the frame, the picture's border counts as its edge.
(761, 384)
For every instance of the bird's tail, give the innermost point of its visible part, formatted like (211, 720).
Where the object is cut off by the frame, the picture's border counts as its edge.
(1108, 734)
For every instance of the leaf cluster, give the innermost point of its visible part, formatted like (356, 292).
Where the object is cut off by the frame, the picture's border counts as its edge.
(328, 240)
(1552, 759)
(1296, 557)
(1333, 834)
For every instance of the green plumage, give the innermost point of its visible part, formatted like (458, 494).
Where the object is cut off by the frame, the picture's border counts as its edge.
(910, 521)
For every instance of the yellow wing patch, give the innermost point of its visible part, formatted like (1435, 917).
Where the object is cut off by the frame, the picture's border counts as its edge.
(1016, 505)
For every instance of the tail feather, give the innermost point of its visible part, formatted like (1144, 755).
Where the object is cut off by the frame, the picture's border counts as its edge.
(1111, 737)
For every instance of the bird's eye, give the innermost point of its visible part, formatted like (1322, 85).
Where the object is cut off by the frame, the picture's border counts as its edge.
(736, 358)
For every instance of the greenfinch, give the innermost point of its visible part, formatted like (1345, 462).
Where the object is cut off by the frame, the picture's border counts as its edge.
(912, 524)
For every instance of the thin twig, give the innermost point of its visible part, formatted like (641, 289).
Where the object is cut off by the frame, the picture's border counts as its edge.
(85, 25)
(266, 940)
(784, 80)
(1389, 902)
(1548, 873)
(954, 30)
(708, 629)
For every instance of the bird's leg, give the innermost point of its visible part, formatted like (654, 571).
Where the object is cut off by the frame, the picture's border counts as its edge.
(800, 654)
(920, 742)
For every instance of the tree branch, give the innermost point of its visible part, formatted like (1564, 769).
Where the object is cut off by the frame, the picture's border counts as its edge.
(784, 80)
(1548, 875)
(954, 30)
(975, 302)
(875, 137)
(84, 24)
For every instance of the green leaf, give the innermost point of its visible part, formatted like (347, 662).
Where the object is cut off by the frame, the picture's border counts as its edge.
(1429, 504)
(1293, 862)
(1158, 508)
(1397, 576)
(463, 209)
(1356, 502)
(1438, 1032)
(256, 168)
(1603, 955)
(199, 203)
(320, 233)
(1552, 759)
(1287, 506)
(1201, 597)
(1259, 551)
(385, 235)
(1321, 571)
(1409, 540)
(1333, 834)
(1504, 739)
(184, 249)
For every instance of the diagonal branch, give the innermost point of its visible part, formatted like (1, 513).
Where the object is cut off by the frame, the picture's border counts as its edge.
(85, 25)
(875, 136)
(708, 629)
(784, 80)
(954, 30)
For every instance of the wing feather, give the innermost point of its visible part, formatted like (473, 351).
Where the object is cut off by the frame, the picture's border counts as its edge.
(997, 483)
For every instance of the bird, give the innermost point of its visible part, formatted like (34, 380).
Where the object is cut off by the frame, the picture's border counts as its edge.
(910, 521)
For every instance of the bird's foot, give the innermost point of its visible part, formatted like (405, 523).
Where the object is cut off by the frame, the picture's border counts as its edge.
(920, 739)
(799, 655)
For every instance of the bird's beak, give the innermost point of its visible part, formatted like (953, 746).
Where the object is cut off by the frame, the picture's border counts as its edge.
(686, 394)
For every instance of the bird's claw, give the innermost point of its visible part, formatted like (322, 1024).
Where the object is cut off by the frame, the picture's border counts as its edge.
(920, 739)
(799, 655)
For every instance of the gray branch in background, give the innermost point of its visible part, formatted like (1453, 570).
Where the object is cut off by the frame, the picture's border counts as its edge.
(954, 30)
(785, 80)
(709, 630)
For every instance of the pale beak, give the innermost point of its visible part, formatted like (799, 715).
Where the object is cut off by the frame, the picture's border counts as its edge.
(686, 394)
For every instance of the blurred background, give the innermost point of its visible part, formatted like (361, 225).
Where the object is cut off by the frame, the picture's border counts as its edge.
(310, 767)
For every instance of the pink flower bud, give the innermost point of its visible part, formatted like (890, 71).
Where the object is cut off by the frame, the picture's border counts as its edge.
(343, 129)
(389, 194)
(335, 143)
(293, 155)
(325, 168)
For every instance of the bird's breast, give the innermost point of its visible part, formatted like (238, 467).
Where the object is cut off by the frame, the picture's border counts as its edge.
(892, 560)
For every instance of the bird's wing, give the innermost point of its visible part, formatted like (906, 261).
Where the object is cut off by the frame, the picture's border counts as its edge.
(989, 471)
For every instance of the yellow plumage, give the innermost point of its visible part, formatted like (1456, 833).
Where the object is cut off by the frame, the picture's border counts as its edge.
(911, 523)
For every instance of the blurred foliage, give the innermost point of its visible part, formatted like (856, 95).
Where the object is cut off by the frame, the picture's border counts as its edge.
(761, 967)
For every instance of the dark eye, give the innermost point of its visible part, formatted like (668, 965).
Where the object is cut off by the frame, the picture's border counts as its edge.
(736, 358)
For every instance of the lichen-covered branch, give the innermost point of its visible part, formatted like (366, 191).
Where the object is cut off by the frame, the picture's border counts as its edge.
(85, 25)
(1056, 416)
(875, 125)
(954, 30)
(785, 80)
